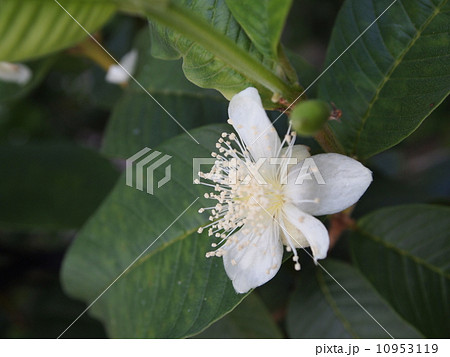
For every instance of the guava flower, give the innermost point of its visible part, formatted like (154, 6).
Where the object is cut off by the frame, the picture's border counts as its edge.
(265, 201)
(119, 74)
(15, 73)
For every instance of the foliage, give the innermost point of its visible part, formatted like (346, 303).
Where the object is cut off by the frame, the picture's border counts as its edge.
(398, 80)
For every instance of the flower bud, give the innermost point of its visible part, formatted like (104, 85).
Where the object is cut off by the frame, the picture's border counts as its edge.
(309, 116)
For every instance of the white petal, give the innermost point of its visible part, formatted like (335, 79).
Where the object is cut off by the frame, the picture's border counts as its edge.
(129, 60)
(299, 152)
(250, 121)
(252, 260)
(344, 182)
(116, 74)
(15, 73)
(291, 236)
(313, 230)
(121, 74)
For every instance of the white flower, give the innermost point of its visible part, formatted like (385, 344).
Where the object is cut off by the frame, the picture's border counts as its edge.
(15, 73)
(118, 74)
(255, 219)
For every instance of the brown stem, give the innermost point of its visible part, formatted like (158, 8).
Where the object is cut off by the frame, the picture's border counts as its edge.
(90, 49)
(339, 223)
(328, 141)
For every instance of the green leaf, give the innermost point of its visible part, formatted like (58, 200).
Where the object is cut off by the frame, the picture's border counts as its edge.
(160, 48)
(216, 51)
(51, 186)
(305, 72)
(320, 308)
(138, 121)
(33, 28)
(172, 290)
(248, 320)
(162, 77)
(262, 21)
(404, 252)
(393, 77)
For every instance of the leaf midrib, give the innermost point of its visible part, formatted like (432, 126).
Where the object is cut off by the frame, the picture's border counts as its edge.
(346, 323)
(331, 302)
(166, 244)
(198, 30)
(403, 253)
(397, 62)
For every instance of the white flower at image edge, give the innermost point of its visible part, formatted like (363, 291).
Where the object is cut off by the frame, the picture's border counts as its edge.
(15, 73)
(255, 220)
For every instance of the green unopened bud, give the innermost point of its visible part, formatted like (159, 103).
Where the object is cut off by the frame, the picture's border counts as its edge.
(308, 117)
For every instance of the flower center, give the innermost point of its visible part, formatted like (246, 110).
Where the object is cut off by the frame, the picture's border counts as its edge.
(256, 202)
(248, 194)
